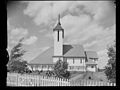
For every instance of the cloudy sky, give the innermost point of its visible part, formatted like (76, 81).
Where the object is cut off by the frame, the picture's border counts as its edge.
(90, 23)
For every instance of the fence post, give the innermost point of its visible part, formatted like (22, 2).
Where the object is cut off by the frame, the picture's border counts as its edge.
(114, 84)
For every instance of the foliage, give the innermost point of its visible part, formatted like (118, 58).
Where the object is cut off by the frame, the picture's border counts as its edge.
(110, 69)
(50, 73)
(16, 63)
(60, 69)
(18, 66)
(17, 52)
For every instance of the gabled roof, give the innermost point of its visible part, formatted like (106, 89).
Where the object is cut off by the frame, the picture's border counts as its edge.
(44, 58)
(73, 51)
(91, 54)
(68, 51)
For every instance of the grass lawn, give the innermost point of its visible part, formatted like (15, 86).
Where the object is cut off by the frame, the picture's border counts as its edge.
(97, 76)
(75, 73)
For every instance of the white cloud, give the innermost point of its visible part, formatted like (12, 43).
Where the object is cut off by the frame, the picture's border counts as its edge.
(90, 44)
(16, 34)
(30, 40)
(43, 12)
(19, 31)
(74, 24)
(102, 39)
(9, 26)
(43, 30)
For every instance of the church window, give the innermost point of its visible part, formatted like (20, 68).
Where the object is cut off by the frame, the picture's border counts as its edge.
(73, 61)
(80, 60)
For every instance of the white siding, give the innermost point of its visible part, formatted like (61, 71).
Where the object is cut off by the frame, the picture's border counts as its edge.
(45, 68)
(70, 61)
(89, 68)
(76, 64)
(39, 68)
(55, 59)
(29, 67)
(58, 45)
(50, 68)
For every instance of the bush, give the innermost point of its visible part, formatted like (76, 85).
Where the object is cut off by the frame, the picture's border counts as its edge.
(50, 73)
(60, 69)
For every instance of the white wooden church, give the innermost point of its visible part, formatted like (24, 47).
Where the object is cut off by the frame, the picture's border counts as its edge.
(77, 58)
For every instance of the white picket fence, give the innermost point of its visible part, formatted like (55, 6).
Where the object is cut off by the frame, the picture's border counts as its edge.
(14, 79)
(91, 83)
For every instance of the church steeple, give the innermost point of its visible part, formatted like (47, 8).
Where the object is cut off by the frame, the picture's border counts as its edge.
(59, 19)
(59, 27)
(58, 34)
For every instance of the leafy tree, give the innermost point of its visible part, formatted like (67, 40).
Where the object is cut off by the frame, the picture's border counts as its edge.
(17, 52)
(16, 63)
(60, 69)
(110, 69)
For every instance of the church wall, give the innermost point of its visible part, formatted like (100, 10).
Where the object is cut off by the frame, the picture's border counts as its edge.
(76, 64)
(55, 59)
(77, 68)
(44, 67)
(76, 61)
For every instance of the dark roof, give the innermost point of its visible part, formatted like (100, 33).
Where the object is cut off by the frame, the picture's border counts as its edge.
(68, 51)
(91, 54)
(73, 51)
(44, 58)
(58, 27)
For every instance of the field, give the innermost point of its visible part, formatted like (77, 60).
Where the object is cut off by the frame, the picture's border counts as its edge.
(96, 76)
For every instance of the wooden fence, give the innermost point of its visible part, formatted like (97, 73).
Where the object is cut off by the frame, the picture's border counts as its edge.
(91, 83)
(14, 79)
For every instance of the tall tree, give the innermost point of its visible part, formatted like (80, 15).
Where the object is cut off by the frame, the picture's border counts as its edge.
(17, 52)
(16, 62)
(110, 69)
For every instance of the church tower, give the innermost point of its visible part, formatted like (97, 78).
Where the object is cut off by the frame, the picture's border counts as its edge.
(58, 34)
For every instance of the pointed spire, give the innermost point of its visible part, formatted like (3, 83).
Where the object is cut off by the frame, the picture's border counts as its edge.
(59, 19)
(58, 26)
